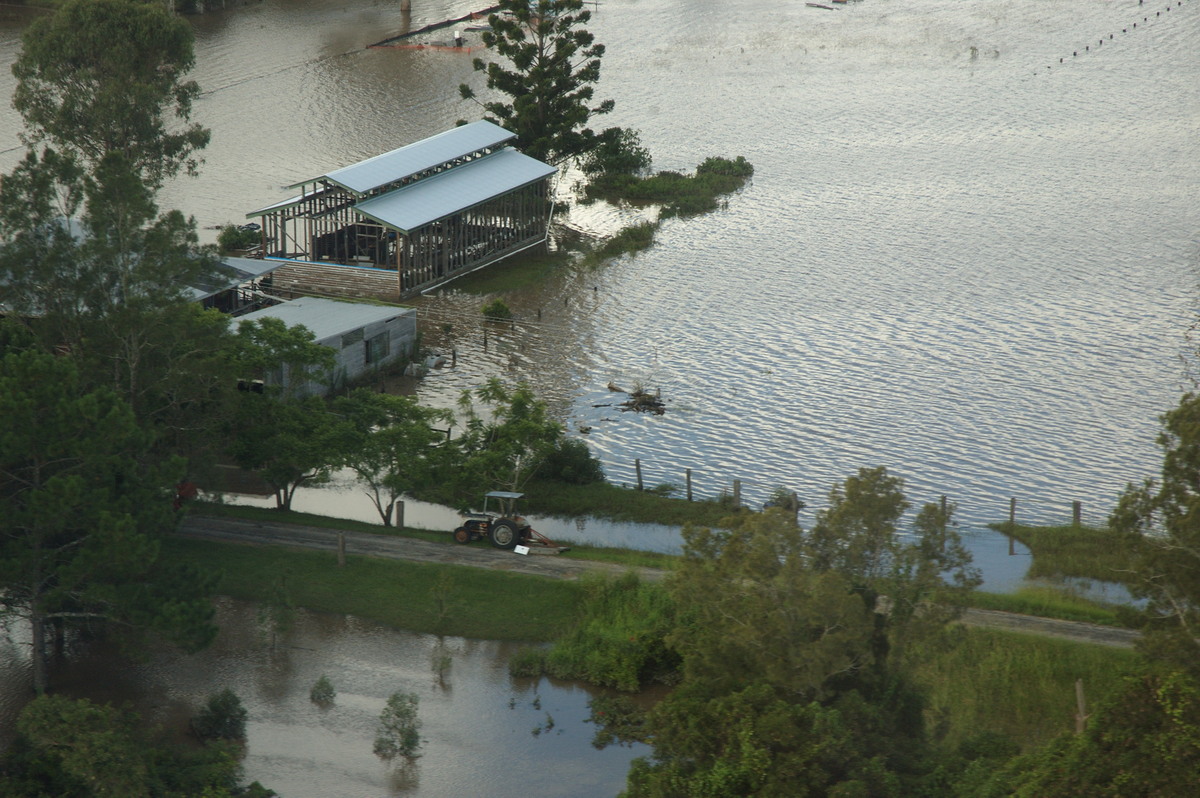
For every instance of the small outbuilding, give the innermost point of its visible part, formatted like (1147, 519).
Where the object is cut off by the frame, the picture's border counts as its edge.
(363, 337)
(426, 212)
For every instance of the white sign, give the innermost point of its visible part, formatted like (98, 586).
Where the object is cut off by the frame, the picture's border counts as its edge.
(521, 549)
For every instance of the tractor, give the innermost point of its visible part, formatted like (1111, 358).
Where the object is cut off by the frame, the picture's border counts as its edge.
(503, 527)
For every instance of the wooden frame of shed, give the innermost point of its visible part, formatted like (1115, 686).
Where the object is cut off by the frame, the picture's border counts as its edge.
(429, 211)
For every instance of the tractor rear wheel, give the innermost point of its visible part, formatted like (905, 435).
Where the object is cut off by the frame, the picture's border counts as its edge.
(503, 534)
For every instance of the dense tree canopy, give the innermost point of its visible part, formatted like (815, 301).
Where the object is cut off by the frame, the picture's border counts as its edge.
(106, 77)
(81, 512)
(548, 76)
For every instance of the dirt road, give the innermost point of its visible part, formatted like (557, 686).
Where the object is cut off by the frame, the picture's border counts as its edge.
(482, 555)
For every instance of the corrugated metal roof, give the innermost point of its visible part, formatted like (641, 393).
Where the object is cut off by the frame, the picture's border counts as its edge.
(417, 204)
(233, 272)
(417, 157)
(326, 317)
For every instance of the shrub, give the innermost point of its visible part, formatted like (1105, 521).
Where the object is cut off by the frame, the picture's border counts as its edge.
(222, 718)
(232, 237)
(322, 692)
(571, 462)
(497, 309)
(619, 151)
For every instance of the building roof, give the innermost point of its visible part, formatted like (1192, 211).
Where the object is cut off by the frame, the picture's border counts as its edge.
(417, 204)
(327, 318)
(232, 273)
(417, 157)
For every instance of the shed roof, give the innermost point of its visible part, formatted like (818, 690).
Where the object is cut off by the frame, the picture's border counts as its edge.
(420, 156)
(232, 273)
(327, 317)
(413, 206)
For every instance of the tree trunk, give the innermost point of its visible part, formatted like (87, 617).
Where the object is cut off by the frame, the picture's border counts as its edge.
(38, 633)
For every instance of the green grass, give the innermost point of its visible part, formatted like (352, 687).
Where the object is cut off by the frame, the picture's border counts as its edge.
(1022, 686)
(438, 599)
(605, 500)
(1076, 551)
(1048, 602)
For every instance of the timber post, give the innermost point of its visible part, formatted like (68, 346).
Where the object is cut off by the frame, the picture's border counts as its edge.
(687, 478)
(737, 493)
(1076, 513)
(400, 506)
(637, 466)
(341, 550)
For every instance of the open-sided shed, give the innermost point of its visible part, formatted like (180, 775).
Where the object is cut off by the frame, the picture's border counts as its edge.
(429, 211)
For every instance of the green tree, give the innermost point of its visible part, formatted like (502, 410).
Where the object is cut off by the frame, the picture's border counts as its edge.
(1165, 515)
(502, 447)
(223, 717)
(553, 64)
(399, 732)
(103, 77)
(395, 446)
(288, 442)
(82, 514)
(790, 682)
(78, 749)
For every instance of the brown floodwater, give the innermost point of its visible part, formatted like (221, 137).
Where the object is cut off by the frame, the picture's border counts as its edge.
(483, 732)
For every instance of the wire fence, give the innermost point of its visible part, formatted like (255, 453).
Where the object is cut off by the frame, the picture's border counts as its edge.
(714, 483)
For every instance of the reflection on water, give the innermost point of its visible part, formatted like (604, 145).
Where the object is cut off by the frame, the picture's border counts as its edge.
(959, 257)
(478, 723)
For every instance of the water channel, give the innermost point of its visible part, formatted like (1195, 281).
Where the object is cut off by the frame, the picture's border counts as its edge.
(969, 253)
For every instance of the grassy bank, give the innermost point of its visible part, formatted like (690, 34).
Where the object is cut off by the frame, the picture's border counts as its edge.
(1081, 552)
(437, 599)
(1022, 686)
(1051, 603)
(612, 502)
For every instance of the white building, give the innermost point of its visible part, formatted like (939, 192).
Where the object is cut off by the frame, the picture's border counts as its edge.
(363, 337)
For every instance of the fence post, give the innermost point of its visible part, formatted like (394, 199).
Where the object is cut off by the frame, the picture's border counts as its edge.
(737, 493)
(1081, 715)
(341, 549)
(637, 466)
(687, 476)
(1076, 513)
(400, 514)
(1012, 521)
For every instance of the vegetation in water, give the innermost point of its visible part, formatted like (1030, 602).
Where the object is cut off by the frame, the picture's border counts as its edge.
(497, 310)
(223, 717)
(323, 693)
(399, 730)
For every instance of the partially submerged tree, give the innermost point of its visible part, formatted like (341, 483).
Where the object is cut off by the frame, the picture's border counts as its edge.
(103, 77)
(399, 732)
(551, 65)
(82, 514)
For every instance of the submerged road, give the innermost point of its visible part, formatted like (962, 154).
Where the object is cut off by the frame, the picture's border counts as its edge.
(482, 555)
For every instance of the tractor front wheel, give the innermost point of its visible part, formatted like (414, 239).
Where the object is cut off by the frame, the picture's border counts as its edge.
(503, 534)
(461, 535)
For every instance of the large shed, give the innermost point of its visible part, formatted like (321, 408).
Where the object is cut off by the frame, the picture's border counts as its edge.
(428, 211)
(363, 337)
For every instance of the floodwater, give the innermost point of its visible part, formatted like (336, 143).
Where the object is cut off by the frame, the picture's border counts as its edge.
(483, 732)
(969, 253)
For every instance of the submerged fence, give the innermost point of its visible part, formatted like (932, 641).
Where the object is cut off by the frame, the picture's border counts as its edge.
(700, 485)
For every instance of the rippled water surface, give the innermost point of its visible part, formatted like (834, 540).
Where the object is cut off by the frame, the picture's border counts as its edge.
(967, 253)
